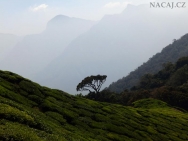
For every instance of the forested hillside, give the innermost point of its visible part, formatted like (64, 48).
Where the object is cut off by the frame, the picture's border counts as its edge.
(170, 53)
(169, 85)
(29, 112)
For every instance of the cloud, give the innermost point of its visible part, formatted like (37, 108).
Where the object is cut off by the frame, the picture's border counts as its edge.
(111, 5)
(39, 7)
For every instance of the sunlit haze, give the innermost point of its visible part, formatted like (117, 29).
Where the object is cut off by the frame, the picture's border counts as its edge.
(62, 42)
(23, 17)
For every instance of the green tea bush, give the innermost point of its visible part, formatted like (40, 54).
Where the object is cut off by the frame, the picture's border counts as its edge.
(16, 115)
(57, 117)
(35, 98)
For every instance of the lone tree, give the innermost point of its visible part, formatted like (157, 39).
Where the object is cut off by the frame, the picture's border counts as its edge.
(93, 82)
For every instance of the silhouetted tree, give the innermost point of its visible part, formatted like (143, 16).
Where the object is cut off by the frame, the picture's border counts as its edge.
(93, 82)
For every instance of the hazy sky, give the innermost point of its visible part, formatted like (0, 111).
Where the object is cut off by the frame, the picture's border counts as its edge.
(23, 17)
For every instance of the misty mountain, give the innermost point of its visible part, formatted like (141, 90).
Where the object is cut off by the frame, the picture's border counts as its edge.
(36, 51)
(7, 42)
(115, 46)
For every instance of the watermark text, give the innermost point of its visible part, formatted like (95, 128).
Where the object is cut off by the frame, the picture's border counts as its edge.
(170, 5)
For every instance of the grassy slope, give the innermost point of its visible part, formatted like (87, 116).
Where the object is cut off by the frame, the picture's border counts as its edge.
(30, 112)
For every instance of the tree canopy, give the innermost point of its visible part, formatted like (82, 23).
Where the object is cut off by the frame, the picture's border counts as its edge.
(91, 82)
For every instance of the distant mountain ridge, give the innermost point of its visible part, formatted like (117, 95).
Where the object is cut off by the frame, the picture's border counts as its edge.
(36, 51)
(171, 53)
(115, 46)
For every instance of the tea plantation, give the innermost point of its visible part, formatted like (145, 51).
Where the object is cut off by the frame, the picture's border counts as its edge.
(30, 112)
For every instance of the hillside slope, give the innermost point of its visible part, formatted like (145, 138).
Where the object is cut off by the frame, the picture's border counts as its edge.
(169, 85)
(29, 112)
(170, 53)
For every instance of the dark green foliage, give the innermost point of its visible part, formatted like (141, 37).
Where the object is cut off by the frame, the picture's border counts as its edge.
(149, 103)
(57, 117)
(169, 85)
(29, 112)
(179, 77)
(181, 62)
(170, 53)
